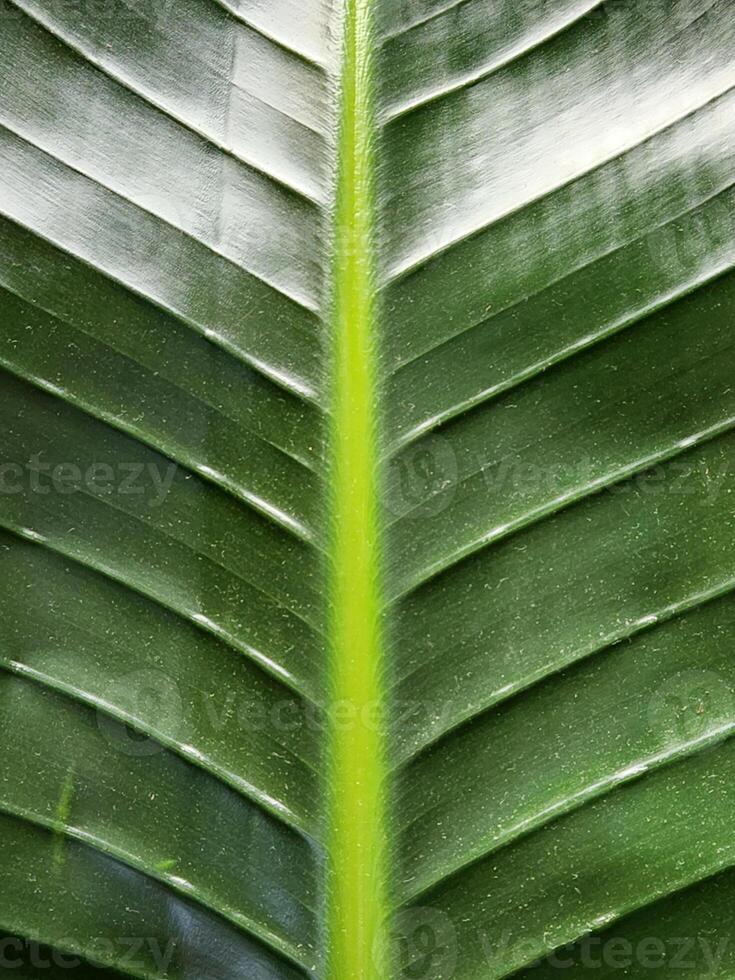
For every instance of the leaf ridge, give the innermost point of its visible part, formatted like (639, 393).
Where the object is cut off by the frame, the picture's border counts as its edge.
(574, 270)
(630, 631)
(276, 944)
(152, 100)
(569, 498)
(268, 665)
(521, 49)
(298, 387)
(280, 811)
(705, 873)
(43, 383)
(409, 266)
(310, 58)
(283, 520)
(602, 787)
(451, 5)
(292, 295)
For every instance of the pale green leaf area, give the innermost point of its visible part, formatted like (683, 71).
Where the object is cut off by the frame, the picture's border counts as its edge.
(367, 489)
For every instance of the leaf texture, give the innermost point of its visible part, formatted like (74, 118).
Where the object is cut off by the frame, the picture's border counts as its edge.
(366, 488)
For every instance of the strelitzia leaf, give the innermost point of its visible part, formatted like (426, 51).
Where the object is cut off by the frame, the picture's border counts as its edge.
(366, 489)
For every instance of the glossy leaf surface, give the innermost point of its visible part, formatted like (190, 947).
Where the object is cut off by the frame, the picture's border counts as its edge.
(366, 488)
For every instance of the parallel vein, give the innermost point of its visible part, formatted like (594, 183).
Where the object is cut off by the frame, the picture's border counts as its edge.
(296, 386)
(278, 945)
(413, 263)
(307, 194)
(268, 664)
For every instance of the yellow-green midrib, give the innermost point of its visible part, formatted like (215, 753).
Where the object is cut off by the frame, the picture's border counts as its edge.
(356, 812)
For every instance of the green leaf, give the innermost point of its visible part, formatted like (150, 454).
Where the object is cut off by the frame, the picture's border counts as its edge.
(366, 489)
